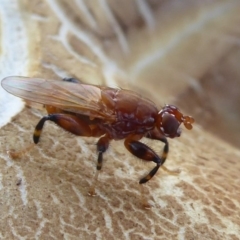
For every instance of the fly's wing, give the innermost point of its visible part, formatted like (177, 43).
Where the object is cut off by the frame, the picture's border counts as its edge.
(73, 97)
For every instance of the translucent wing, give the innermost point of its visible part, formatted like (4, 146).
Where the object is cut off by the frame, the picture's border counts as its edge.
(73, 97)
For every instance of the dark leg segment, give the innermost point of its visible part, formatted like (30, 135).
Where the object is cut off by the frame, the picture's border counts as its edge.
(144, 152)
(68, 122)
(71, 79)
(165, 150)
(154, 134)
(102, 146)
(38, 129)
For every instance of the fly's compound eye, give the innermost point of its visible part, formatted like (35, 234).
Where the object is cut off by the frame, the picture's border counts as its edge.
(170, 125)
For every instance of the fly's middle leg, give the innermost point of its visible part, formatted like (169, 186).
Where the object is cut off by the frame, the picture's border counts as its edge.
(102, 146)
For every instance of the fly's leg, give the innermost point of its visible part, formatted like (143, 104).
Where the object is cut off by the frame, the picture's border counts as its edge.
(143, 152)
(78, 127)
(102, 146)
(71, 79)
(68, 122)
(155, 135)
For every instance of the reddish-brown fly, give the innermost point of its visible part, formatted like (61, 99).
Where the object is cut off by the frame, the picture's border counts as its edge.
(103, 112)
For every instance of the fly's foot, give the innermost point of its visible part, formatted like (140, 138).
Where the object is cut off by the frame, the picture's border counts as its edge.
(18, 154)
(91, 191)
(145, 203)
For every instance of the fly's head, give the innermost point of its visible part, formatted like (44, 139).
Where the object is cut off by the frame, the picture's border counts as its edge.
(169, 120)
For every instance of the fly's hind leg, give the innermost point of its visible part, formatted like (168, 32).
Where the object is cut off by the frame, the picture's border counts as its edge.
(102, 146)
(68, 122)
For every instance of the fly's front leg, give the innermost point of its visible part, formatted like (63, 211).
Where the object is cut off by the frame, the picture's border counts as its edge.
(143, 152)
(155, 135)
(102, 146)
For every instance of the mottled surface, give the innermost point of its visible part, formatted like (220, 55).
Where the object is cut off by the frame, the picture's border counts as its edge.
(185, 53)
